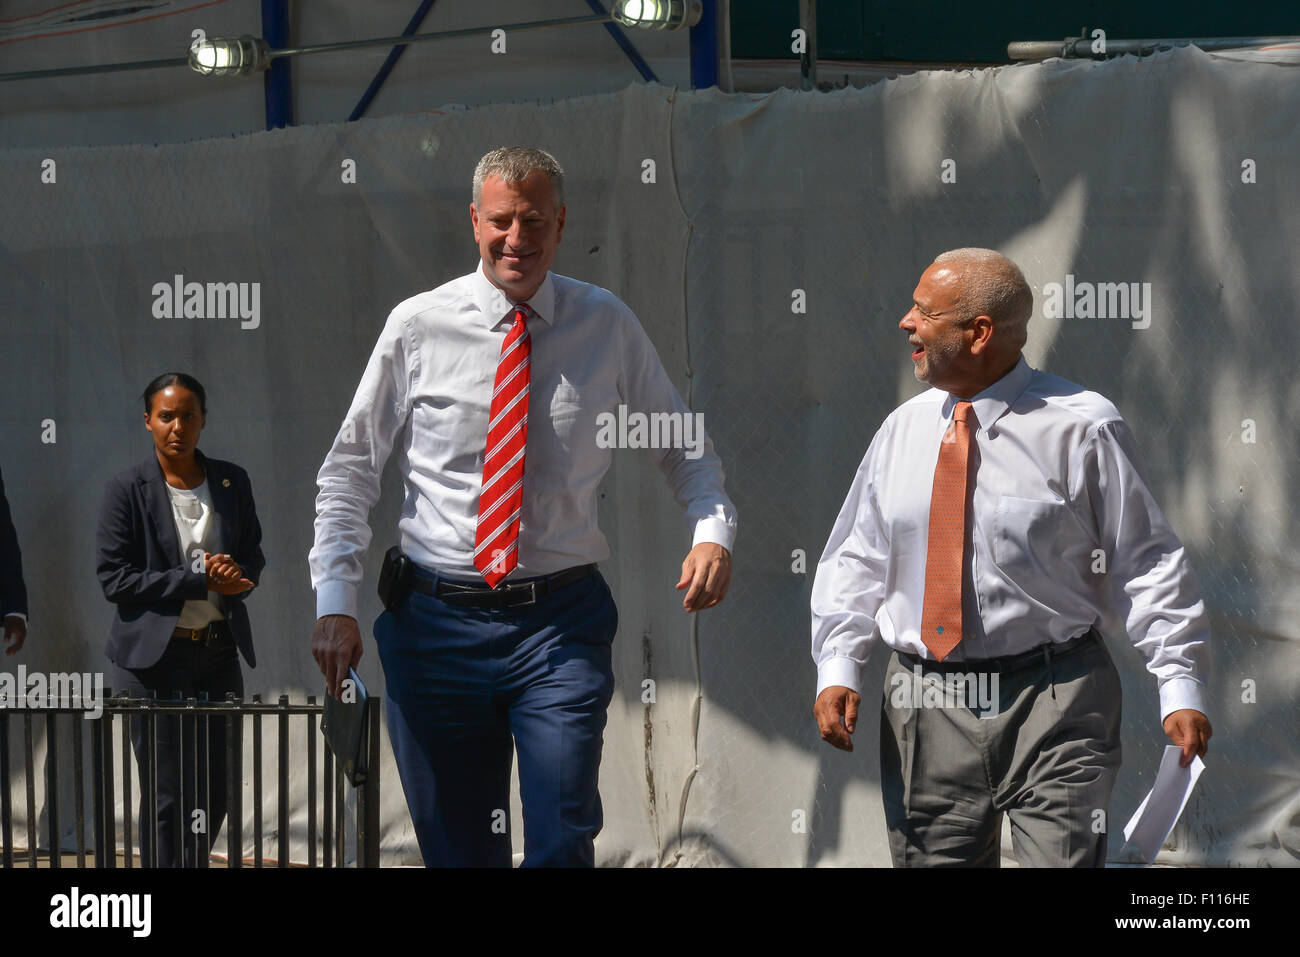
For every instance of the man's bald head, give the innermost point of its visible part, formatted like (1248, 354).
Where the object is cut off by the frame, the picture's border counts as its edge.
(967, 321)
(992, 285)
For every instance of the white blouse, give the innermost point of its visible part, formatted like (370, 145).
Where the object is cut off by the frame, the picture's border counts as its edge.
(199, 531)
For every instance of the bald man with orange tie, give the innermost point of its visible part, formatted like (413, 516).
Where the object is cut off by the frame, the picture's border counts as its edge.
(996, 520)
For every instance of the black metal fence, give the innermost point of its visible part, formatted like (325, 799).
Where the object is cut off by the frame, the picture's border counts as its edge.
(110, 760)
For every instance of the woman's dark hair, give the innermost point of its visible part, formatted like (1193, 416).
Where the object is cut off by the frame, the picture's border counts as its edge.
(174, 378)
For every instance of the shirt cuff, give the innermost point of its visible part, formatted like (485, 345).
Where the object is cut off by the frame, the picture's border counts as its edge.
(838, 670)
(714, 530)
(16, 614)
(1179, 693)
(336, 598)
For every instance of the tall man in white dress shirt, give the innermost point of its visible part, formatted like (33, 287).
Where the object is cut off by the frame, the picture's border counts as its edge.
(995, 521)
(491, 385)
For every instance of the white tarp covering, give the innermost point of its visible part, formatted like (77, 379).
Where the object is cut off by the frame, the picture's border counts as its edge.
(1177, 171)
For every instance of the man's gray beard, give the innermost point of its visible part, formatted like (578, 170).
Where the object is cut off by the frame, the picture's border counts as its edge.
(945, 355)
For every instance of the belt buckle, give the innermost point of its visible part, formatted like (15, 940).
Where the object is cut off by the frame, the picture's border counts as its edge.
(198, 634)
(521, 588)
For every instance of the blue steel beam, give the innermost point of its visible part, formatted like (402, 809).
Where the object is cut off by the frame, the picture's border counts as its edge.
(394, 55)
(625, 44)
(277, 84)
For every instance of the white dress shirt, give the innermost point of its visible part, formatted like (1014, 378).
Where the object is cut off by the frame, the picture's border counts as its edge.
(198, 529)
(426, 391)
(1064, 532)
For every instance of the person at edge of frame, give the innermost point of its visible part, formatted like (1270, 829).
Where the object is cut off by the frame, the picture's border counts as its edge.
(13, 590)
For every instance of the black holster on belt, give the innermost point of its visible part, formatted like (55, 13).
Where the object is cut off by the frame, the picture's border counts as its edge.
(394, 578)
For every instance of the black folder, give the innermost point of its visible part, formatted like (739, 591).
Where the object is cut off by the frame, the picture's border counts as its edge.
(346, 726)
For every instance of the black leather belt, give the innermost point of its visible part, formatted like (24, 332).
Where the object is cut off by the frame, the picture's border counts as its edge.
(207, 634)
(505, 595)
(1042, 654)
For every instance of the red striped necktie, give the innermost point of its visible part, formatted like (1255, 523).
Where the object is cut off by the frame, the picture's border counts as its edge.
(496, 541)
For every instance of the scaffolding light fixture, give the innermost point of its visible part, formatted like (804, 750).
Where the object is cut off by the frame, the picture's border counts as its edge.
(240, 56)
(658, 14)
(246, 55)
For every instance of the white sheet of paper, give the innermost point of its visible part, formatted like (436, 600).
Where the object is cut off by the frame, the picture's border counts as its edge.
(1161, 808)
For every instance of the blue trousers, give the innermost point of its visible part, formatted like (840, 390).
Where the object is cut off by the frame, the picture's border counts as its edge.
(466, 686)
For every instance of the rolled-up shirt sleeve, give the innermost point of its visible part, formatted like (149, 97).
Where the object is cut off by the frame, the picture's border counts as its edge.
(349, 479)
(1152, 584)
(849, 585)
(693, 471)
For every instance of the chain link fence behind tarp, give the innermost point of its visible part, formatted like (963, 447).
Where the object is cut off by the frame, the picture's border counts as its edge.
(750, 208)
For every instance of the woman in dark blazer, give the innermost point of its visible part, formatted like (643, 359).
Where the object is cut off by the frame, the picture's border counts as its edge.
(178, 552)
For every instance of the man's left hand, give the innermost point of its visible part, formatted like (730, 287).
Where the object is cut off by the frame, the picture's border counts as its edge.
(706, 573)
(1190, 730)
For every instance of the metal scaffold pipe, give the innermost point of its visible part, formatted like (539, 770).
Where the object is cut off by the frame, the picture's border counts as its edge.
(315, 48)
(1093, 48)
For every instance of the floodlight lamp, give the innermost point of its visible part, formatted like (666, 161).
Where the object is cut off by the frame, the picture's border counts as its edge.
(658, 14)
(226, 57)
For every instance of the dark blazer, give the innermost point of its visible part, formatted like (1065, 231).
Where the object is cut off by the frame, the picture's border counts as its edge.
(140, 565)
(13, 593)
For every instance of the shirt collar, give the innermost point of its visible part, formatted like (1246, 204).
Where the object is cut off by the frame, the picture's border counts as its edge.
(991, 404)
(496, 305)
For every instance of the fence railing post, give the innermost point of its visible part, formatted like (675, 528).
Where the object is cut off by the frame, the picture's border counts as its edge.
(149, 787)
(282, 783)
(311, 784)
(368, 794)
(6, 805)
(176, 724)
(234, 784)
(203, 784)
(257, 784)
(327, 810)
(97, 787)
(128, 823)
(78, 786)
(29, 771)
(340, 822)
(52, 786)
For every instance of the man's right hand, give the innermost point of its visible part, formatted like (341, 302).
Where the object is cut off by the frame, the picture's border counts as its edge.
(15, 633)
(836, 711)
(336, 646)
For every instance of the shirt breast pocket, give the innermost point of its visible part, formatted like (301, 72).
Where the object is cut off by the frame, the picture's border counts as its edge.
(1026, 534)
(559, 412)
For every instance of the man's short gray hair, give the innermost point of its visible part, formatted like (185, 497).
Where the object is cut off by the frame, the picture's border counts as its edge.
(514, 164)
(992, 285)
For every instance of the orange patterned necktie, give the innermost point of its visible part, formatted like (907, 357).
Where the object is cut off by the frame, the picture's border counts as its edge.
(941, 624)
(496, 540)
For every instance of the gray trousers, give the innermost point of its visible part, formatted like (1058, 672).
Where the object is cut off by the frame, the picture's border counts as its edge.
(1044, 749)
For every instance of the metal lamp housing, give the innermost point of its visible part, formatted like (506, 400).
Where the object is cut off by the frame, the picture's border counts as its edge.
(230, 57)
(658, 14)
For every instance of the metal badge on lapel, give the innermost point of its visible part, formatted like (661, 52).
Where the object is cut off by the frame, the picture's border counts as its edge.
(225, 483)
